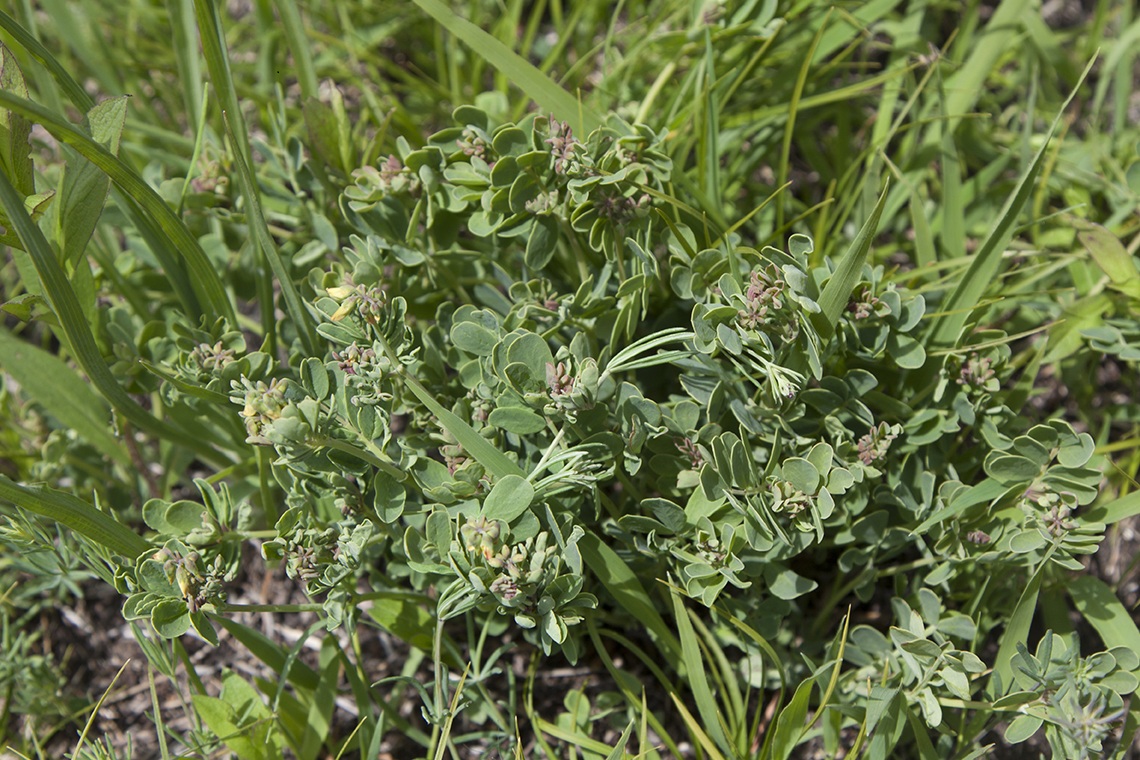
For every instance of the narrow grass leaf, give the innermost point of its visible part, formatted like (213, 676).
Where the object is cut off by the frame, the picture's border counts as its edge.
(323, 702)
(48, 380)
(207, 283)
(968, 82)
(626, 589)
(73, 512)
(74, 91)
(299, 46)
(984, 265)
(1115, 511)
(302, 320)
(537, 86)
(1016, 632)
(696, 731)
(496, 462)
(836, 293)
(270, 653)
(696, 675)
(790, 723)
(74, 324)
(1099, 605)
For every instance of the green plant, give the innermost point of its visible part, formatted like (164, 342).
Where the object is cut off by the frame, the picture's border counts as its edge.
(583, 379)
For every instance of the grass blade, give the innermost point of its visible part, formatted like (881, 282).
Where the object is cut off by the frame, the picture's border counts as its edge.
(76, 514)
(50, 382)
(538, 87)
(835, 294)
(74, 324)
(302, 320)
(1016, 632)
(1103, 610)
(207, 283)
(696, 676)
(74, 91)
(984, 265)
(626, 589)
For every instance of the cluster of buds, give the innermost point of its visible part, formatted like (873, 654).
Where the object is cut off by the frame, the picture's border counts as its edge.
(370, 304)
(212, 359)
(363, 373)
(558, 379)
(765, 306)
(480, 536)
(621, 209)
(199, 583)
(571, 393)
(473, 142)
(977, 374)
(391, 178)
(544, 203)
(690, 449)
(791, 502)
(875, 444)
(263, 404)
(308, 552)
(863, 304)
(563, 146)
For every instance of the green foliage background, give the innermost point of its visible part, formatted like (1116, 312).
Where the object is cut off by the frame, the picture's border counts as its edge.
(747, 342)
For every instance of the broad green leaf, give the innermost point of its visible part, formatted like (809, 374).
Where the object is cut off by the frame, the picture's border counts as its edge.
(170, 618)
(517, 419)
(1022, 727)
(66, 397)
(405, 618)
(537, 86)
(84, 188)
(509, 498)
(75, 514)
(1110, 255)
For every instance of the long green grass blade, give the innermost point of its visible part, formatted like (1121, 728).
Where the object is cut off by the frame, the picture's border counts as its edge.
(74, 91)
(1104, 611)
(302, 320)
(538, 87)
(50, 382)
(984, 265)
(696, 675)
(76, 514)
(833, 299)
(207, 284)
(75, 327)
(1016, 632)
(1114, 512)
(626, 589)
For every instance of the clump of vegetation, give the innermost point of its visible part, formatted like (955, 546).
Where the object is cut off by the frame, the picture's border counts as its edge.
(736, 358)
